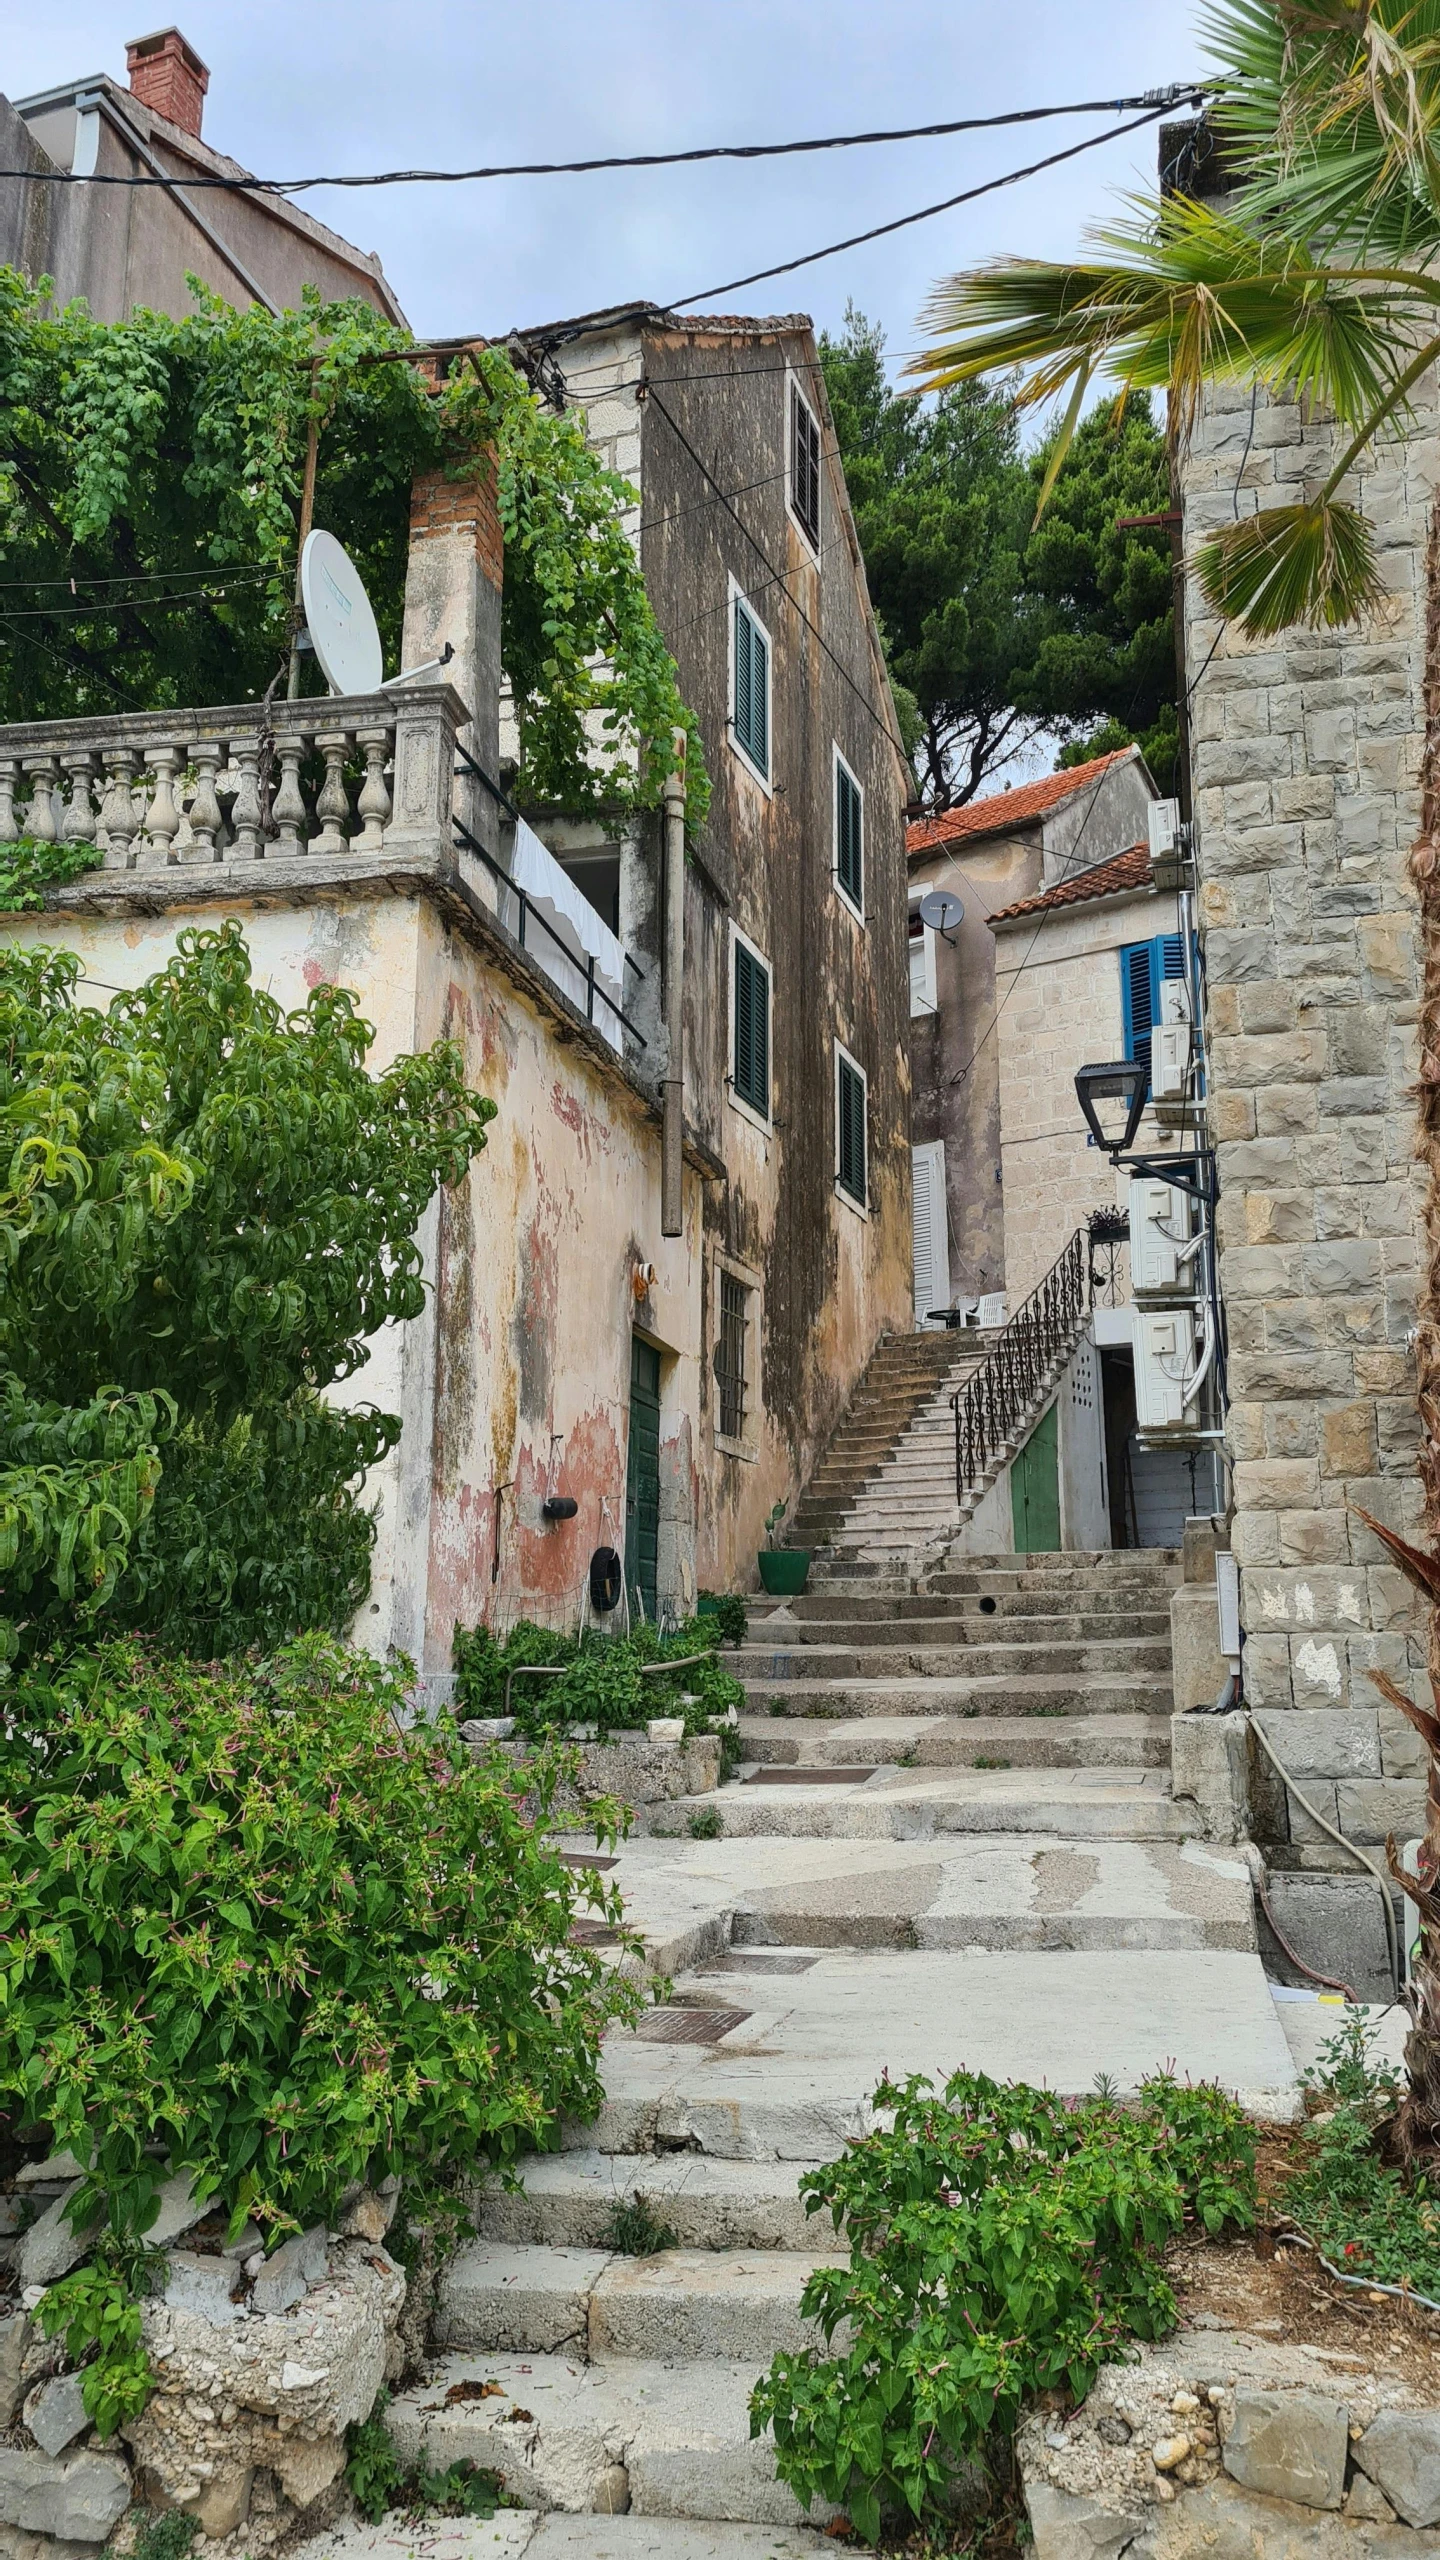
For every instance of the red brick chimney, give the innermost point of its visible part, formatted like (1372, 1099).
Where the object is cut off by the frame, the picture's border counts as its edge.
(168, 76)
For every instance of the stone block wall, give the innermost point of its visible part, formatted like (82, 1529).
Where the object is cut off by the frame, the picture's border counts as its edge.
(1305, 767)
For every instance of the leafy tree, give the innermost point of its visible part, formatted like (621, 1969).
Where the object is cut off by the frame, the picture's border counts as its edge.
(150, 483)
(1102, 668)
(1317, 272)
(210, 1205)
(997, 630)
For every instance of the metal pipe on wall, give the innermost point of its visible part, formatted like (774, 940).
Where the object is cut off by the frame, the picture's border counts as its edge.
(672, 1089)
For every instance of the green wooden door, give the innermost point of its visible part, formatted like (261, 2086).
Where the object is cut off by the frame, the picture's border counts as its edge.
(642, 1479)
(1035, 1490)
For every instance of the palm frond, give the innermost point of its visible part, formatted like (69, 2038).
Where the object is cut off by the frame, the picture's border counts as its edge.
(1426, 1724)
(1313, 563)
(1420, 1565)
(1183, 297)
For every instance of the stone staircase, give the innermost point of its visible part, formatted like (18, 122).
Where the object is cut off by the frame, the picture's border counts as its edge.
(909, 1375)
(952, 1844)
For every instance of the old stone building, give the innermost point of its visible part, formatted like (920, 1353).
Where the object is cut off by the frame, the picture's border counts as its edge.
(583, 1376)
(1306, 771)
(115, 246)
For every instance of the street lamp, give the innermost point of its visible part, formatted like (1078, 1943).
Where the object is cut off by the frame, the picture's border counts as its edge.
(1122, 1085)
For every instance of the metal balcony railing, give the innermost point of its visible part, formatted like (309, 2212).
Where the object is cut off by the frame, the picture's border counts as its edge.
(995, 1399)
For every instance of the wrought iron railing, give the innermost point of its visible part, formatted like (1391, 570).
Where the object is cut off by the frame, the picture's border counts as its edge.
(996, 1397)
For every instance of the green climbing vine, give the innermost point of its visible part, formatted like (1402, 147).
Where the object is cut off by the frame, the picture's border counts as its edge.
(150, 482)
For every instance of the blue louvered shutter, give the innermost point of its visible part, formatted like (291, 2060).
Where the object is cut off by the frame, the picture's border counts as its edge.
(1137, 999)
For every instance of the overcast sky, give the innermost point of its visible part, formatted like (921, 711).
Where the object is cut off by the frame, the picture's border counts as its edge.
(302, 86)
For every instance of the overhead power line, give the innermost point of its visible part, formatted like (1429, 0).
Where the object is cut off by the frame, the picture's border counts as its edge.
(1156, 101)
(947, 204)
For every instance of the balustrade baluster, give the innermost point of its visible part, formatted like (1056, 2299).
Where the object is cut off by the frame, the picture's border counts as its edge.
(78, 826)
(205, 819)
(163, 822)
(118, 817)
(332, 806)
(288, 807)
(245, 818)
(374, 801)
(9, 773)
(40, 816)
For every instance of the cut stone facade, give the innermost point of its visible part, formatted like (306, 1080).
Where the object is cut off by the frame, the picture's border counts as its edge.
(1305, 763)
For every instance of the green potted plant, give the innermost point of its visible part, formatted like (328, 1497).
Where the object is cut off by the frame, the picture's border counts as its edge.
(784, 1571)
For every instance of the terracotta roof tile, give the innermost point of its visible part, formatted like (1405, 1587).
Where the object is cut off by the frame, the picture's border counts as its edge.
(1107, 879)
(1001, 810)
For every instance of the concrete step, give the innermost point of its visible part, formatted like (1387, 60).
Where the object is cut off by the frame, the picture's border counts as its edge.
(919, 1804)
(517, 2533)
(794, 2078)
(985, 1613)
(652, 2436)
(950, 1742)
(812, 1657)
(570, 2198)
(1007, 1894)
(723, 2304)
(1095, 1694)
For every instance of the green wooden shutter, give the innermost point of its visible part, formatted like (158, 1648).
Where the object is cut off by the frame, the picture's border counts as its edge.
(850, 1103)
(752, 693)
(849, 835)
(751, 1064)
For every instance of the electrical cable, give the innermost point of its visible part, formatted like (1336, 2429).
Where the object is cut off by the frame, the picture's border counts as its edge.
(927, 212)
(1157, 102)
(1351, 1848)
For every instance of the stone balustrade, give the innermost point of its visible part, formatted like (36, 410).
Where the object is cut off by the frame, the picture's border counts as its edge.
(363, 776)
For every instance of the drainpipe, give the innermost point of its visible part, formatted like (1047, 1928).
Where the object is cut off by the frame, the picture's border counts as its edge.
(672, 1090)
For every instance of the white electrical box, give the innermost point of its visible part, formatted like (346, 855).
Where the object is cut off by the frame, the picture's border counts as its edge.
(1167, 1355)
(1162, 1225)
(1164, 820)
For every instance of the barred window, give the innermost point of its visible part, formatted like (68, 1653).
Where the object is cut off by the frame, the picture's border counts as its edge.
(730, 1355)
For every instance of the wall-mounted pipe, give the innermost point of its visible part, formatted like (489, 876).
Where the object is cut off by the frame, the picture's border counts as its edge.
(672, 1090)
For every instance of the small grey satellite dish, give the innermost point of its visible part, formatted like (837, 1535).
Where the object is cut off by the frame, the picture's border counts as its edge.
(941, 910)
(338, 616)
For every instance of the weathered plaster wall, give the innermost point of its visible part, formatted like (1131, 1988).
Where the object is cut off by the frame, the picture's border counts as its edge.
(1057, 981)
(1306, 772)
(955, 1068)
(1107, 817)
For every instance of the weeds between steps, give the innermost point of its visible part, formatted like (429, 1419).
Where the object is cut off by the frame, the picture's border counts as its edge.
(380, 2484)
(636, 2231)
(1001, 2243)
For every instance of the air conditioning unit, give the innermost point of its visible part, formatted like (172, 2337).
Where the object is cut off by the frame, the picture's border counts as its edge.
(1167, 1363)
(1163, 1243)
(1167, 843)
(1172, 1048)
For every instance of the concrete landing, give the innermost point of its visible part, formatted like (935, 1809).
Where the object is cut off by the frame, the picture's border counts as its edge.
(715, 1898)
(794, 2079)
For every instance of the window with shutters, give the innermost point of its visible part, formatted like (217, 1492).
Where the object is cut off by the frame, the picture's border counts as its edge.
(851, 1135)
(1143, 968)
(923, 998)
(730, 1355)
(750, 1028)
(750, 686)
(804, 465)
(849, 837)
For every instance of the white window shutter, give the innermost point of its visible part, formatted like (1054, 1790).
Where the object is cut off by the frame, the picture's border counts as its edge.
(931, 1237)
(922, 971)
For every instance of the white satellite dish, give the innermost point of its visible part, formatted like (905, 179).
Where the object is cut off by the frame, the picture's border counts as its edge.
(338, 616)
(941, 910)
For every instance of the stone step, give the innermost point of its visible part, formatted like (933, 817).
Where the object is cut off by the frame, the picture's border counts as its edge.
(812, 1657)
(982, 1613)
(917, 1804)
(896, 1695)
(949, 1742)
(570, 2198)
(793, 2078)
(517, 2533)
(643, 2434)
(504, 2298)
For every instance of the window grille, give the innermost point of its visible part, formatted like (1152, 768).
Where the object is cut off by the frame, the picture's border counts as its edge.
(730, 1356)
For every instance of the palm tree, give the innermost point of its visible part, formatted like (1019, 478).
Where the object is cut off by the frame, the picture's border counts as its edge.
(1316, 272)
